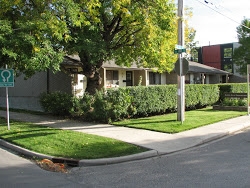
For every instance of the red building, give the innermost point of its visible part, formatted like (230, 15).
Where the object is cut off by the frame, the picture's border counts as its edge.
(211, 56)
(221, 57)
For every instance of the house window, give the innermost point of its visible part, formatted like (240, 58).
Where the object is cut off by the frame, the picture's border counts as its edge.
(228, 52)
(154, 78)
(228, 68)
(112, 78)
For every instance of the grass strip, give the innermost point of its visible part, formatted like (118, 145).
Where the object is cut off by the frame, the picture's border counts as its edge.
(64, 143)
(168, 123)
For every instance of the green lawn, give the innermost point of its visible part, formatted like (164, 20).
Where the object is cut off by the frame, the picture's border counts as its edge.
(169, 124)
(70, 144)
(63, 143)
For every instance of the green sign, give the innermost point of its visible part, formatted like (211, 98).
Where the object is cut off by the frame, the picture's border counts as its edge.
(6, 78)
(179, 51)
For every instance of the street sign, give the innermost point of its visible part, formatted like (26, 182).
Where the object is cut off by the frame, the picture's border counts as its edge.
(185, 67)
(179, 51)
(179, 46)
(6, 78)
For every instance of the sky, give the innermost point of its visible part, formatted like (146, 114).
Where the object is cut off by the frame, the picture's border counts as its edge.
(215, 22)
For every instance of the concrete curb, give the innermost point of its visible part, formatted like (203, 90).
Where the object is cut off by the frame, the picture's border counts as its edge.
(24, 151)
(114, 160)
(79, 163)
(165, 144)
(225, 133)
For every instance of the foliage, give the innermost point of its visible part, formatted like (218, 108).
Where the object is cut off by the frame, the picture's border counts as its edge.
(200, 95)
(190, 33)
(241, 54)
(234, 102)
(231, 88)
(111, 105)
(82, 106)
(153, 100)
(30, 34)
(122, 103)
(35, 35)
(127, 31)
(141, 101)
(57, 103)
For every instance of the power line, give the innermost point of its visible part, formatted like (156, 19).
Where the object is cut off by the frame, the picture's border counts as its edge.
(207, 2)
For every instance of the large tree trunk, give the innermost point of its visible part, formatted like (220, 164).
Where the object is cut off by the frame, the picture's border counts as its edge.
(91, 71)
(93, 82)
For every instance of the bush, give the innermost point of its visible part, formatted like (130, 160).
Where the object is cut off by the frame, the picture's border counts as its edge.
(231, 88)
(111, 105)
(234, 102)
(200, 95)
(57, 103)
(153, 100)
(138, 101)
(81, 106)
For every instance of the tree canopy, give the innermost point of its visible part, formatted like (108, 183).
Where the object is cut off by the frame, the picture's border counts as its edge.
(190, 33)
(241, 54)
(36, 35)
(31, 35)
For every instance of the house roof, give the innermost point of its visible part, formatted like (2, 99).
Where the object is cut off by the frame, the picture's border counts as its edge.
(201, 68)
(71, 64)
(194, 67)
(73, 60)
(111, 64)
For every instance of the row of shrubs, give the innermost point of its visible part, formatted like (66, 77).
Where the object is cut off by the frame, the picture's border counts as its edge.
(232, 88)
(127, 102)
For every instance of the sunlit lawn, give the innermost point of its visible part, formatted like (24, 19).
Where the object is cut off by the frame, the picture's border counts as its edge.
(76, 145)
(64, 143)
(169, 124)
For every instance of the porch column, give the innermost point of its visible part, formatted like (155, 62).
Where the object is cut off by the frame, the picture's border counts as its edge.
(104, 78)
(202, 78)
(146, 78)
(207, 79)
(191, 78)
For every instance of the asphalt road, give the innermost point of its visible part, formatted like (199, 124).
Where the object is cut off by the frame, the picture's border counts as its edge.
(224, 163)
(17, 172)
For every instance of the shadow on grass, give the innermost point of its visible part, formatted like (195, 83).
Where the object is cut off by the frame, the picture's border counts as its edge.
(19, 136)
(144, 121)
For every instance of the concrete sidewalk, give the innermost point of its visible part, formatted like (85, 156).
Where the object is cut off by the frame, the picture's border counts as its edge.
(159, 143)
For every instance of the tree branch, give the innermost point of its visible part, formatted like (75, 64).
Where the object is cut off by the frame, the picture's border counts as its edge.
(125, 40)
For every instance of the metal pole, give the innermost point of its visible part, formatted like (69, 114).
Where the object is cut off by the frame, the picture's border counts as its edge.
(248, 67)
(7, 105)
(181, 78)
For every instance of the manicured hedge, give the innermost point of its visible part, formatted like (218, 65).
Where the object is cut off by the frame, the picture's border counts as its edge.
(231, 87)
(200, 95)
(153, 100)
(127, 102)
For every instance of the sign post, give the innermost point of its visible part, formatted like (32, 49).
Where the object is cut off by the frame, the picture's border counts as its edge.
(7, 80)
(180, 77)
(248, 91)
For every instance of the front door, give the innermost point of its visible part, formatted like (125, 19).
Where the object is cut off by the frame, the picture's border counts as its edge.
(129, 78)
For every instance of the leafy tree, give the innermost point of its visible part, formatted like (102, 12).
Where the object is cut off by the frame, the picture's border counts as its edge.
(241, 55)
(126, 31)
(35, 35)
(30, 35)
(190, 32)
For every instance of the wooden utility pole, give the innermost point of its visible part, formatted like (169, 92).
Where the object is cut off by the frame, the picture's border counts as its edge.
(180, 77)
